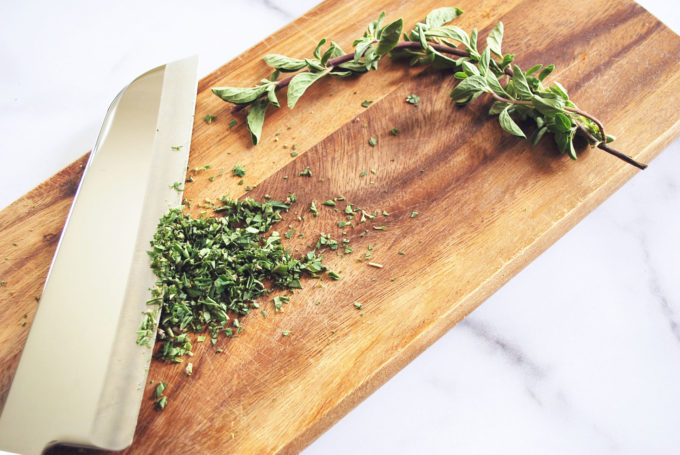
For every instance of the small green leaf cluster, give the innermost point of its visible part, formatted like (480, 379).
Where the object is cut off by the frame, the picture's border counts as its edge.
(212, 269)
(377, 41)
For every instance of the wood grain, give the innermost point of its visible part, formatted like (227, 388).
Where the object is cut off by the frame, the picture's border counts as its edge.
(487, 205)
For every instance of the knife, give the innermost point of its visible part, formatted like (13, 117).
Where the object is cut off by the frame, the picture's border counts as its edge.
(81, 375)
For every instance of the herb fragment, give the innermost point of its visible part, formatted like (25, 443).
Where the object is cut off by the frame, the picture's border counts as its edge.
(366, 103)
(209, 118)
(160, 388)
(414, 214)
(285, 333)
(232, 123)
(372, 142)
(307, 172)
(358, 305)
(394, 131)
(177, 187)
(330, 203)
(239, 170)
(413, 99)
(176, 147)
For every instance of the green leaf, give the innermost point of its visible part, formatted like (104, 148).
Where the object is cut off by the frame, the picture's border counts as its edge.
(300, 83)
(548, 106)
(360, 47)
(341, 73)
(473, 39)
(469, 69)
(238, 95)
(468, 88)
(314, 65)
(484, 61)
(509, 125)
(497, 107)
(271, 95)
(565, 143)
(389, 37)
(441, 16)
(546, 71)
(559, 90)
(255, 119)
(533, 69)
(317, 51)
(520, 83)
(562, 123)
(353, 66)
(495, 39)
(283, 63)
(333, 51)
(495, 85)
(451, 32)
(538, 134)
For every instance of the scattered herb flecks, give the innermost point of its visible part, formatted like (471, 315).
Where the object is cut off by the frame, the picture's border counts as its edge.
(209, 118)
(212, 269)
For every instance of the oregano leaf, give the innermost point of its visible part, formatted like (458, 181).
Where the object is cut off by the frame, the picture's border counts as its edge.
(509, 125)
(441, 16)
(238, 95)
(389, 37)
(283, 63)
(300, 83)
(495, 39)
(255, 119)
(546, 71)
(520, 84)
(468, 88)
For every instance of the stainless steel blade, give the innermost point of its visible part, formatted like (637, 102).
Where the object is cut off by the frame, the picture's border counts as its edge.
(81, 375)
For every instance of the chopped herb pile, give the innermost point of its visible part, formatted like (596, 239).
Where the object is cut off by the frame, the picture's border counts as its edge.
(211, 270)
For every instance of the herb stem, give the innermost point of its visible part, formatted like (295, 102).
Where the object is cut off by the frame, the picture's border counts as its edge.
(582, 129)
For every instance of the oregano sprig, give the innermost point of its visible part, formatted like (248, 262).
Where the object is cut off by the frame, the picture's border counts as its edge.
(517, 95)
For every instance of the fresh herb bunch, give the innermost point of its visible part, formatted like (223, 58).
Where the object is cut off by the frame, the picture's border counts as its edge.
(212, 269)
(516, 93)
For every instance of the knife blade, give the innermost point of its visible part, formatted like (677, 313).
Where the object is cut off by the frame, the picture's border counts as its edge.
(81, 375)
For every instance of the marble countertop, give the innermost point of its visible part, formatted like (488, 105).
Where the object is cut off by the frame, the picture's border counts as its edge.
(579, 353)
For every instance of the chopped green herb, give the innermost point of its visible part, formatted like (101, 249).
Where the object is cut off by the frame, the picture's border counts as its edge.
(200, 338)
(285, 333)
(358, 305)
(380, 228)
(212, 268)
(414, 214)
(334, 275)
(293, 154)
(161, 403)
(372, 142)
(413, 99)
(366, 103)
(348, 209)
(239, 170)
(401, 252)
(176, 147)
(363, 174)
(3, 283)
(177, 187)
(209, 118)
(394, 131)
(330, 203)
(189, 369)
(313, 209)
(307, 172)
(232, 123)
(160, 388)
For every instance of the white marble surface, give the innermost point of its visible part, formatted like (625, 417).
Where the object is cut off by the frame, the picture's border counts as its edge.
(579, 353)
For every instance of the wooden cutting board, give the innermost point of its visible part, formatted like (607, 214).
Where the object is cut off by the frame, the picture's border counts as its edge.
(487, 205)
